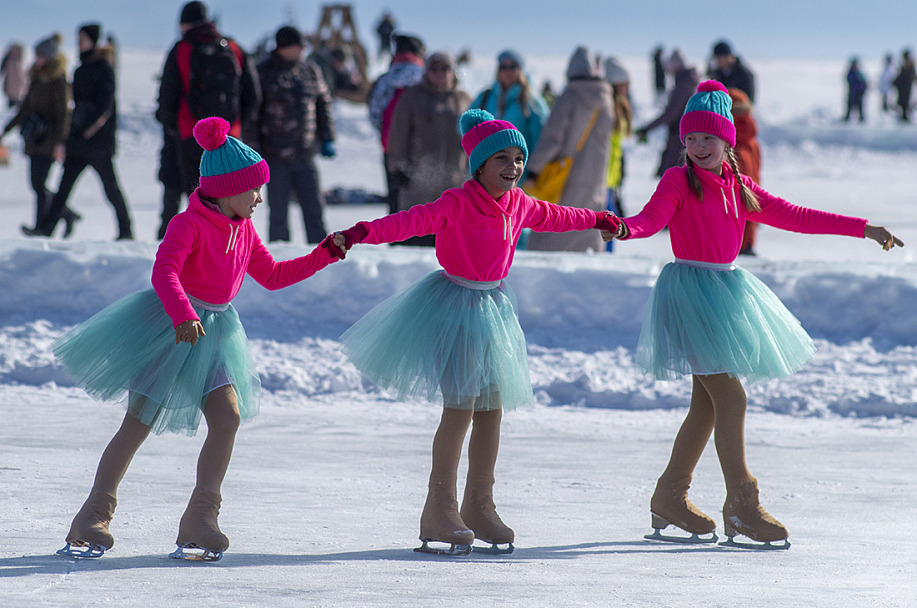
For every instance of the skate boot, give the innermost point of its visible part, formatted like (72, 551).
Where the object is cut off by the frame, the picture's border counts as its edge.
(670, 506)
(480, 513)
(89, 535)
(199, 530)
(743, 514)
(440, 522)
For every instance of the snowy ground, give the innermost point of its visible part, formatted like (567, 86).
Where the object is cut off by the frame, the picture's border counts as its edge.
(322, 501)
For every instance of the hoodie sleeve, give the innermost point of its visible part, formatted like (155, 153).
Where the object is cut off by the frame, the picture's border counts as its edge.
(273, 275)
(174, 250)
(782, 214)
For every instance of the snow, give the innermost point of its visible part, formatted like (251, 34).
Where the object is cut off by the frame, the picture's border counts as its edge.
(323, 498)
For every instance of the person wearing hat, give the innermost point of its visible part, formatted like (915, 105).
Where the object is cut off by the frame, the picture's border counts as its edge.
(617, 76)
(91, 141)
(424, 147)
(406, 69)
(731, 71)
(512, 98)
(456, 331)
(294, 124)
(708, 318)
(583, 113)
(44, 118)
(685, 83)
(178, 350)
(204, 74)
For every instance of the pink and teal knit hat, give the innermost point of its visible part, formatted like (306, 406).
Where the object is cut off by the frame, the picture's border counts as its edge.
(709, 111)
(228, 167)
(483, 136)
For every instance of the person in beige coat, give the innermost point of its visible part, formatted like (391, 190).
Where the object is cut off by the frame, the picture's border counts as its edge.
(585, 95)
(424, 145)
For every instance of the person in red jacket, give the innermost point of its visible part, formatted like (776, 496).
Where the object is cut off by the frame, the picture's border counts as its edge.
(176, 112)
(748, 155)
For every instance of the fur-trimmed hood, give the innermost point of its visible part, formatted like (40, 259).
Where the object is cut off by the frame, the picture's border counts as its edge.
(51, 70)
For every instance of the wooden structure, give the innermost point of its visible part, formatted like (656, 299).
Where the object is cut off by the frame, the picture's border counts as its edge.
(336, 30)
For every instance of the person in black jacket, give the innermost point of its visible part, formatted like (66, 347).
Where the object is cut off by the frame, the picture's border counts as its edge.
(179, 110)
(729, 70)
(91, 142)
(294, 123)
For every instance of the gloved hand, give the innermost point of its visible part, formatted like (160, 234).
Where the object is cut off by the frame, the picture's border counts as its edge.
(351, 237)
(328, 149)
(640, 134)
(606, 220)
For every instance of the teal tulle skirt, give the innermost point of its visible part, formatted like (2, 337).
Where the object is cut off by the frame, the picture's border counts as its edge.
(130, 347)
(714, 318)
(445, 336)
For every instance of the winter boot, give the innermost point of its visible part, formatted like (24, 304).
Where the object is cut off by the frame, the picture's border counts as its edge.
(440, 520)
(90, 525)
(670, 505)
(198, 527)
(743, 514)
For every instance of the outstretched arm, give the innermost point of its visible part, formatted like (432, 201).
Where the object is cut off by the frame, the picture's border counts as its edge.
(882, 236)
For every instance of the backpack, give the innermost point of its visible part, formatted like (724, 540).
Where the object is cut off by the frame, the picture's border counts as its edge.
(215, 80)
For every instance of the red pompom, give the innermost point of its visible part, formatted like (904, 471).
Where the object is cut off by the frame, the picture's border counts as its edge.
(211, 132)
(708, 86)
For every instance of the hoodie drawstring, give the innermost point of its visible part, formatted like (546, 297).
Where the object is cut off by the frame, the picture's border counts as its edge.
(506, 227)
(735, 205)
(233, 236)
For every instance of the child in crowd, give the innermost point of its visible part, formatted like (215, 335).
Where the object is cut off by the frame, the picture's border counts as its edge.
(179, 349)
(456, 331)
(715, 321)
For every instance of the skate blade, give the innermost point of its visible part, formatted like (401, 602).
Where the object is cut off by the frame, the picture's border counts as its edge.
(81, 550)
(694, 539)
(453, 550)
(495, 549)
(777, 545)
(196, 554)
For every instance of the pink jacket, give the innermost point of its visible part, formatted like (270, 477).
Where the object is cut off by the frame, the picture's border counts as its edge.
(476, 236)
(206, 254)
(710, 229)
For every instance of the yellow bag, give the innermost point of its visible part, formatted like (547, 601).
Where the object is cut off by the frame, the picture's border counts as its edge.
(551, 181)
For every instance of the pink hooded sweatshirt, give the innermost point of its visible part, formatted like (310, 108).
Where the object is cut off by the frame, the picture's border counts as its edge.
(710, 229)
(476, 236)
(206, 254)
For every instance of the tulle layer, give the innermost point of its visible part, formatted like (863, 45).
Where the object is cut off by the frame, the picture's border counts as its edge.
(130, 346)
(440, 338)
(705, 321)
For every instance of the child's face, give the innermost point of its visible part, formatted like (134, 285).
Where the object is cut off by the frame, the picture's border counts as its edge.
(706, 151)
(500, 173)
(241, 205)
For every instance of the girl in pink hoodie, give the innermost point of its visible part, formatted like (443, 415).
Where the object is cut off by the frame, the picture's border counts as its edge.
(456, 331)
(178, 349)
(715, 321)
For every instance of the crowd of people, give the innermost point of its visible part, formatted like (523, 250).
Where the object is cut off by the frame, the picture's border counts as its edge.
(232, 125)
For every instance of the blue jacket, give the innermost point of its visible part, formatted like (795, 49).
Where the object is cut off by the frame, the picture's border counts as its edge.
(529, 127)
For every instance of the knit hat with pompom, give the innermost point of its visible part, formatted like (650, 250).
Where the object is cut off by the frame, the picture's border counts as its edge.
(483, 136)
(228, 167)
(709, 111)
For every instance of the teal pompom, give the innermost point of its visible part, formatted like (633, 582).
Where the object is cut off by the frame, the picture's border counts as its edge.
(473, 118)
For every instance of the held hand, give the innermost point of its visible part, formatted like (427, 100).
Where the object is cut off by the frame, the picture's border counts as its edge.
(189, 331)
(621, 232)
(882, 236)
(335, 244)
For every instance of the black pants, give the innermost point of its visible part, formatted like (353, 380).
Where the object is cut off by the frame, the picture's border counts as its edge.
(73, 167)
(299, 175)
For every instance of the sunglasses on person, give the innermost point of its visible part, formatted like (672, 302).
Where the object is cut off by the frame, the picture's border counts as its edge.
(509, 66)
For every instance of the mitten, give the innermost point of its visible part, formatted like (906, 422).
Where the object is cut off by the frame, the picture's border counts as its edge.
(328, 149)
(605, 220)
